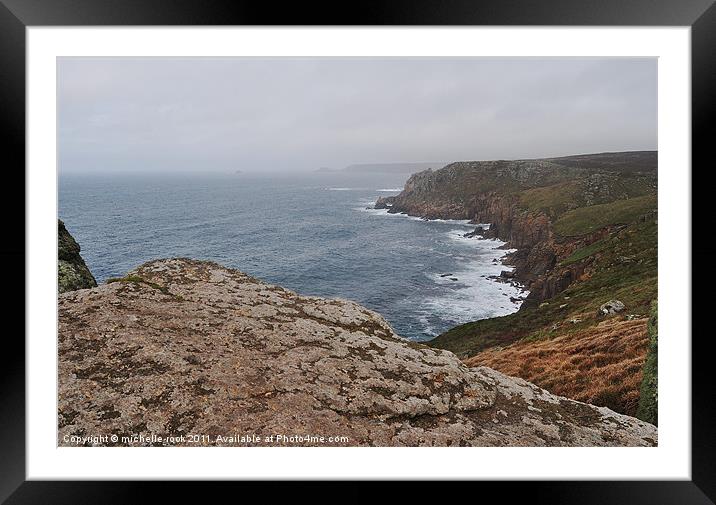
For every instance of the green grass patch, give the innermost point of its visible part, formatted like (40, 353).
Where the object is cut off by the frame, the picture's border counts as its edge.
(552, 200)
(584, 252)
(588, 219)
(135, 279)
(648, 393)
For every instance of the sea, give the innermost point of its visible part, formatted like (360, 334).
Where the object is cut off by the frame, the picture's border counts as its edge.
(316, 234)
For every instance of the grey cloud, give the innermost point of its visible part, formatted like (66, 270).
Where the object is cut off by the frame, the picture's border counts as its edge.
(189, 114)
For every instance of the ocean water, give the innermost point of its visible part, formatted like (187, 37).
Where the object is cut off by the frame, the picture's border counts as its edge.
(313, 234)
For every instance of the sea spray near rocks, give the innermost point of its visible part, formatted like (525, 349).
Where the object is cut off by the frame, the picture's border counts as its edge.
(472, 291)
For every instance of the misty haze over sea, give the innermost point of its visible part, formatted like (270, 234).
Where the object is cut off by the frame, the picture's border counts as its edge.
(311, 233)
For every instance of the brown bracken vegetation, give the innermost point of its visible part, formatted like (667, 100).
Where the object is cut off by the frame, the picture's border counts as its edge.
(601, 365)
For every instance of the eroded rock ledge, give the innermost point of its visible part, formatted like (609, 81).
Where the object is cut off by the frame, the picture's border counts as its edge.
(185, 347)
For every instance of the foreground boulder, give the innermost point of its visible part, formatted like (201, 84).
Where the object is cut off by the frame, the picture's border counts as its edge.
(72, 272)
(210, 356)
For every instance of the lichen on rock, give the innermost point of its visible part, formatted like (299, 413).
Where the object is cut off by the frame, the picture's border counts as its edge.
(189, 347)
(610, 308)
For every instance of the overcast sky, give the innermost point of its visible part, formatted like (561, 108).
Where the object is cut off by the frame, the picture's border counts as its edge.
(279, 114)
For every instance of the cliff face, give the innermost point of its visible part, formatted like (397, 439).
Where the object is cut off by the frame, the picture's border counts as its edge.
(72, 272)
(182, 347)
(535, 205)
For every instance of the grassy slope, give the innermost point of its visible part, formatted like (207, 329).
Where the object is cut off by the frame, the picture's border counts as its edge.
(621, 200)
(587, 219)
(552, 200)
(625, 269)
(601, 364)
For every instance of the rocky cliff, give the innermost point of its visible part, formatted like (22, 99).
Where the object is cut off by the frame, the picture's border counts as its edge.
(192, 350)
(72, 272)
(545, 208)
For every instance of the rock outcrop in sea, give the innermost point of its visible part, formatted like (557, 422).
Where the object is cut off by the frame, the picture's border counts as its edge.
(72, 272)
(182, 348)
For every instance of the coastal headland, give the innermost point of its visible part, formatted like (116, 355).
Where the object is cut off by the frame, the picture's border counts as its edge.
(585, 233)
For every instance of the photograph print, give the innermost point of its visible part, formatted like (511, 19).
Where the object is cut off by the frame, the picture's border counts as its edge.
(394, 251)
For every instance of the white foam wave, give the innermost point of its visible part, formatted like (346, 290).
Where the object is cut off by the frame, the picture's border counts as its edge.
(366, 206)
(390, 190)
(477, 241)
(428, 329)
(473, 292)
(384, 212)
(461, 222)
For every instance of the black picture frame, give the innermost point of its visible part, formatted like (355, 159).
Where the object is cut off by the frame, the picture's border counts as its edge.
(16, 15)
